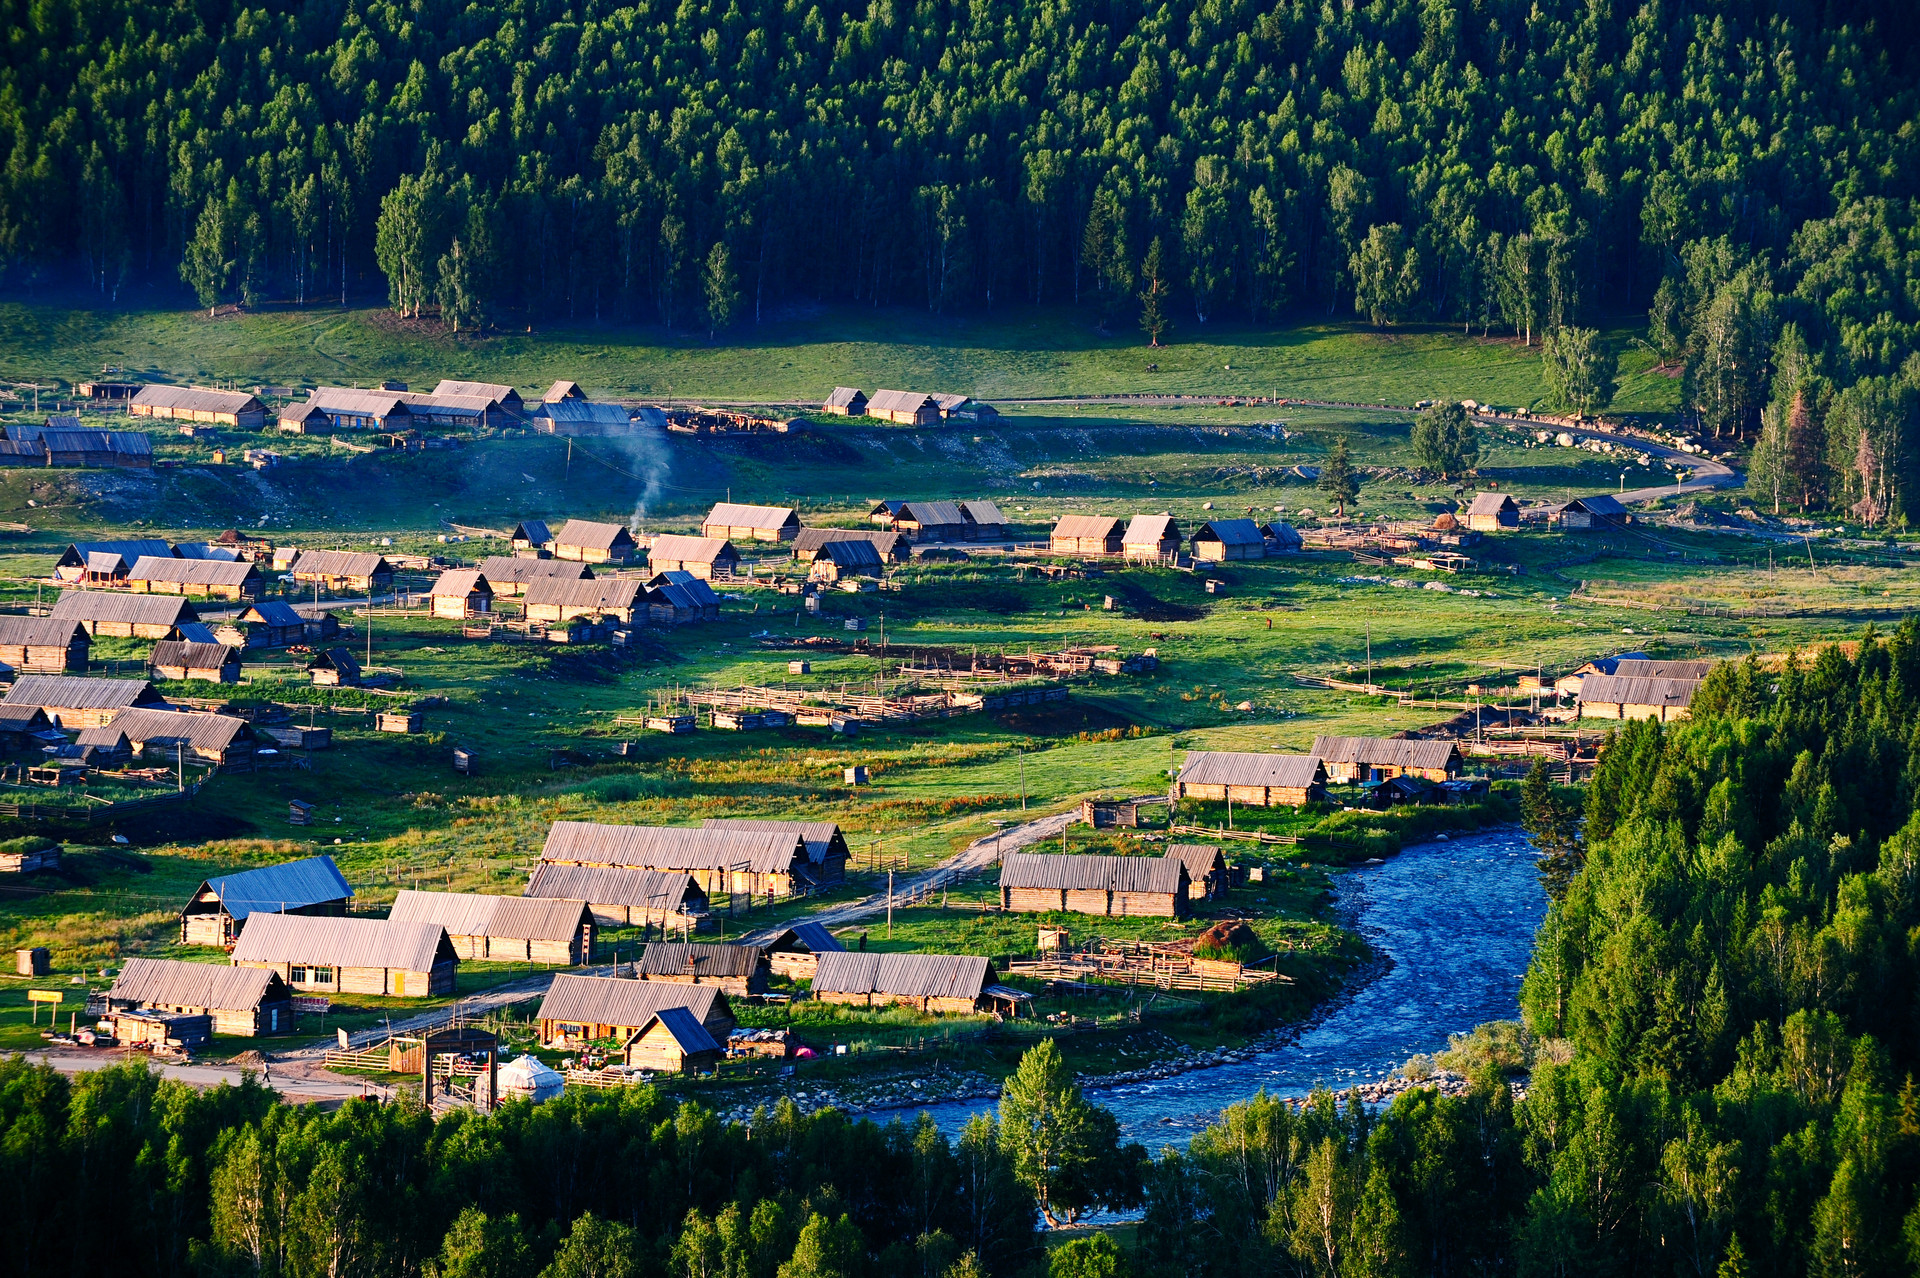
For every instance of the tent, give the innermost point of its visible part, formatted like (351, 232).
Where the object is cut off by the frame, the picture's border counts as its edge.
(528, 1079)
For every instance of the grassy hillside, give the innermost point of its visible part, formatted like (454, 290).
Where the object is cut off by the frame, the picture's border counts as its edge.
(799, 359)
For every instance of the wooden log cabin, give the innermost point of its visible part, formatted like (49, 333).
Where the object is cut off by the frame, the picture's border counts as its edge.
(72, 701)
(199, 404)
(795, 952)
(553, 601)
(673, 1041)
(221, 906)
(345, 571)
(1364, 759)
(1150, 538)
(44, 645)
(579, 1010)
(739, 970)
(509, 399)
(334, 668)
(209, 662)
(1618, 696)
(1122, 886)
(531, 537)
(906, 408)
(741, 522)
(595, 543)
(1207, 874)
(680, 598)
(273, 624)
(174, 735)
(242, 1001)
(1493, 512)
(827, 849)
(846, 401)
(351, 956)
(709, 558)
(621, 897)
(1257, 780)
(1223, 540)
(809, 542)
(1086, 535)
(510, 576)
(950, 983)
(460, 593)
(111, 615)
(499, 929)
(761, 863)
(105, 563)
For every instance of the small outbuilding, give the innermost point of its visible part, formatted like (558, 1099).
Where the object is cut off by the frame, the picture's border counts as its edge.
(242, 1001)
(209, 662)
(1150, 538)
(334, 668)
(1221, 540)
(674, 1041)
(795, 952)
(907, 408)
(1584, 514)
(460, 593)
(846, 401)
(1493, 512)
(837, 560)
(530, 536)
(1207, 875)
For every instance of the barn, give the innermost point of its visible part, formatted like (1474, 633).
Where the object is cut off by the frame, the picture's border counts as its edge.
(826, 844)
(551, 600)
(199, 404)
(846, 401)
(595, 543)
(926, 982)
(1219, 540)
(1207, 874)
(1127, 886)
(1150, 538)
(351, 956)
(756, 862)
(1617, 696)
(242, 1001)
(358, 572)
(175, 735)
(510, 576)
(213, 578)
(179, 659)
(579, 1010)
(501, 929)
(1493, 512)
(907, 408)
(711, 558)
(1086, 535)
(43, 645)
(221, 906)
(739, 970)
(623, 897)
(1258, 780)
(73, 701)
(459, 593)
(750, 523)
(119, 616)
(1362, 759)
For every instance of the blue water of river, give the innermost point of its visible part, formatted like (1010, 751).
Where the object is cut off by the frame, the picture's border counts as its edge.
(1456, 919)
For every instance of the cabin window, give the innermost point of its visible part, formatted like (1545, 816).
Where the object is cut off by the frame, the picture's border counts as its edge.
(298, 975)
(323, 976)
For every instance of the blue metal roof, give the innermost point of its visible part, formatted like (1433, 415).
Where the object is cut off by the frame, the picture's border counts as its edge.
(275, 888)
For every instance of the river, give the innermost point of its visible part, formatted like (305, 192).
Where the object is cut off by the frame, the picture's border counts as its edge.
(1455, 919)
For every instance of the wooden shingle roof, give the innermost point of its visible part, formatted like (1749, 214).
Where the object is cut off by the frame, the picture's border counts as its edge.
(1231, 532)
(145, 982)
(672, 847)
(341, 563)
(683, 549)
(663, 890)
(114, 607)
(1622, 690)
(685, 1027)
(1387, 752)
(458, 583)
(77, 692)
(38, 632)
(677, 958)
(144, 727)
(819, 836)
(1274, 771)
(505, 569)
(197, 399)
(612, 1000)
(903, 975)
(342, 942)
(603, 593)
(514, 918)
(291, 885)
(194, 656)
(1649, 668)
(733, 514)
(1086, 527)
(893, 401)
(192, 572)
(1149, 530)
(1092, 873)
(589, 535)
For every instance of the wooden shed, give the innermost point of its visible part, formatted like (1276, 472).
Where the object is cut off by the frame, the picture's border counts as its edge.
(1086, 535)
(552, 600)
(740, 970)
(199, 404)
(1129, 886)
(826, 844)
(510, 576)
(351, 956)
(678, 598)
(105, 562)
(192, 738)
(710, 558)
(123, 616)
(1362, 759)
(808, 542)
(65, 443)
(930, 521)
(179, 659)
(907, 408)
(242, 1001)
(460, 593)
(353, 571)
(500, 929)
(499, 392)
(21, 726)
(347, 409)
(1258, 780)
(674, 1041)
(1619, 696)
(1493, 512)
(756, 862)
(581, 419)
(1650, 668)
(846, 401)
(1219, 540)
(623, 897)
(1584, 514)
(595, 543)
(927, 982)
(221, 906)
(562, 390)
(1150, 538)
(984, 521)
(43, 645)
(530, 537)
(272, 624)
(579, 1010)
(795, 952)
(72, 701)
(839, 560)
(1207, 875)
(334, 668)
(750, 523)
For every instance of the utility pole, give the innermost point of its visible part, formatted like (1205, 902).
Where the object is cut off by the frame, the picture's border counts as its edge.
(889, 905)
(1023, 780)
(1369, 656)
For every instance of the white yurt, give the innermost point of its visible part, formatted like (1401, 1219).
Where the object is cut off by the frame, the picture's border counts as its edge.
(528, 1079)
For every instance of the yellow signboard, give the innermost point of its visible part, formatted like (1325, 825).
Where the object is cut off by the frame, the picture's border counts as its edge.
(43, 996)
